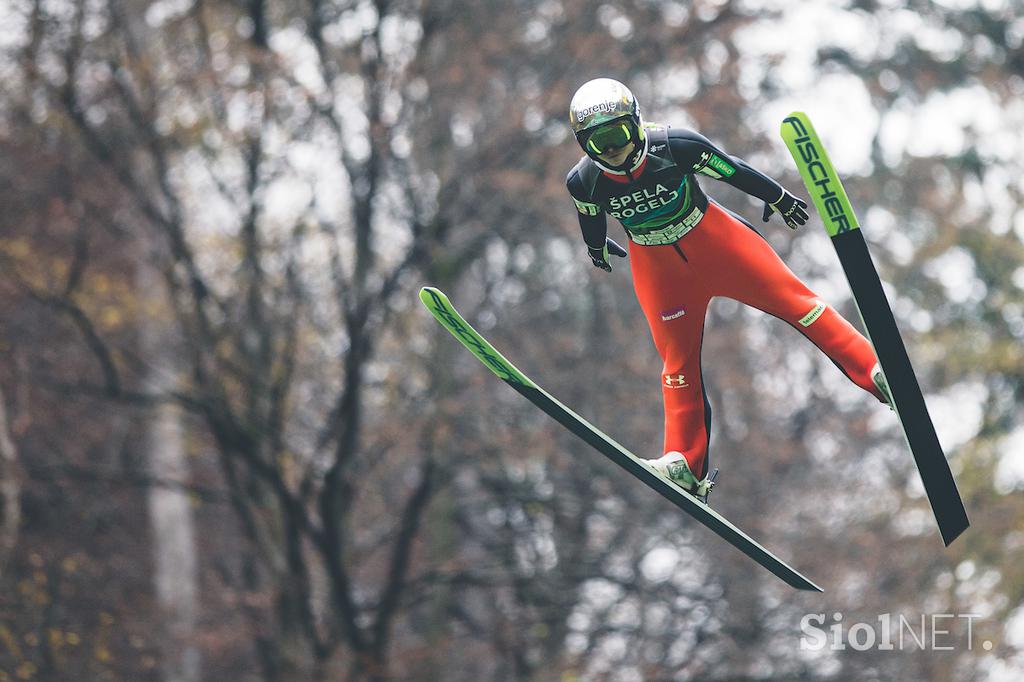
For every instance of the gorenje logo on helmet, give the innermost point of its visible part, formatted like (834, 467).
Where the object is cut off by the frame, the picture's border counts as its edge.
(602, 107)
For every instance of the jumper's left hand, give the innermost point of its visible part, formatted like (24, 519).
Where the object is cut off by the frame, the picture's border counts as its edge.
(600, 256)
(790, 207)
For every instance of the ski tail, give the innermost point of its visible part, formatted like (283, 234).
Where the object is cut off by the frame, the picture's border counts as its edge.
(829, 196)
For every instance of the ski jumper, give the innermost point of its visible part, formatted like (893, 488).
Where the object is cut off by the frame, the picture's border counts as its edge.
(685, 250)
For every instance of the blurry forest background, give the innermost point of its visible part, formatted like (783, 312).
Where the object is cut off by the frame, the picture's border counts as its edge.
(233, 446)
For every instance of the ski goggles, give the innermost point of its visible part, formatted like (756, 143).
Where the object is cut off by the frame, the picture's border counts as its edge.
(615, 135)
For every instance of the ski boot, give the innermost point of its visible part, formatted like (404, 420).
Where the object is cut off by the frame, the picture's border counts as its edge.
(882, 384)
(673, 466)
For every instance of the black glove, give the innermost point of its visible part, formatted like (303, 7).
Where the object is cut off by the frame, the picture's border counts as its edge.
(790, 207)
(600, 256)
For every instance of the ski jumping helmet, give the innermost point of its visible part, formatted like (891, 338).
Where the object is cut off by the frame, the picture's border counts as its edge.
(604, 114)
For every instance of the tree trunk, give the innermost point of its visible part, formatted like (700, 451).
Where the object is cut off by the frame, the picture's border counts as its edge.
(170, 511)
(10, 490)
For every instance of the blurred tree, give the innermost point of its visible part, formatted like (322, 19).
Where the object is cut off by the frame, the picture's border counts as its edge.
(291, 172)
(10, 488)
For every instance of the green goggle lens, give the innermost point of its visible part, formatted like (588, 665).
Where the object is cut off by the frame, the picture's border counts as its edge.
(609, 137)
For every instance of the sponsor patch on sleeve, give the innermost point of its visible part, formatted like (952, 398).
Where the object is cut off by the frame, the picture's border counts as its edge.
(713, 166)
(585, 208)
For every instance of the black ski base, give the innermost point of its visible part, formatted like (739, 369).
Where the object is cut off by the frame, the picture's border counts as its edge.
(910, 407)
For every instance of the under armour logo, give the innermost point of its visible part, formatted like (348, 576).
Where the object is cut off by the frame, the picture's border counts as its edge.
(676, 381)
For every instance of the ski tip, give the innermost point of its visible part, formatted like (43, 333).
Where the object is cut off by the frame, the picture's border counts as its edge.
(793, 116)
(797, 126)
(430, 295)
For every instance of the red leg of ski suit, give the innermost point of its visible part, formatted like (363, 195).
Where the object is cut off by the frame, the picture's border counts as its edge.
(723, 257)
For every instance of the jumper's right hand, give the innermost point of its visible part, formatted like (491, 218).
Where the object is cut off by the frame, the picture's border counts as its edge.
(600, 256)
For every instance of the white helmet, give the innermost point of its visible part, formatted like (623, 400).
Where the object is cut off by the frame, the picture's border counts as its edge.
(604, 114)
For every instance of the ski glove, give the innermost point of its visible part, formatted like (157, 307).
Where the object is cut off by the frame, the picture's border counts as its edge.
(600, 256)
(790, 207)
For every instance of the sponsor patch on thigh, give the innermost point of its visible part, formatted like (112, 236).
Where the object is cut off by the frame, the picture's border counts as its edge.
(811, 317)
(673, 314)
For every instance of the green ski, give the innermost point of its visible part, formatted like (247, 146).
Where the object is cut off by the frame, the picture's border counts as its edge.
(442, 309)
(830, 198)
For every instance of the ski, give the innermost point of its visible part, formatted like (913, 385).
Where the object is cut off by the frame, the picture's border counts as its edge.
(442, 309)
(837, 214)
